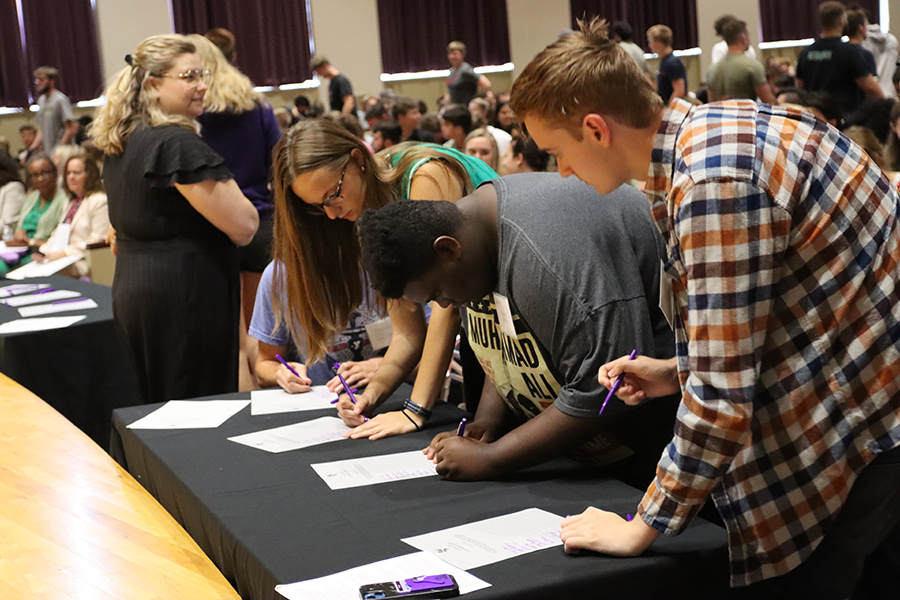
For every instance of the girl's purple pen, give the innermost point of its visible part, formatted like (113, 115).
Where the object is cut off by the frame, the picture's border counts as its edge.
(347, 388)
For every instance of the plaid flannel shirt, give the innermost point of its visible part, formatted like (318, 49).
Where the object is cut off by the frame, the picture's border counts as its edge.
(783, 248)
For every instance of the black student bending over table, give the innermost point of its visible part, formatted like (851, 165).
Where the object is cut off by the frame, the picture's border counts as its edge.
(267, 519)
(82, 370)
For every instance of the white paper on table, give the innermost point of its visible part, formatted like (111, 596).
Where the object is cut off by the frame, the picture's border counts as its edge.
(44, 269)
(345, 585)
(21, 288)
(41, 297)
(294, 437)
(492, 540)
(58, 306)
(267, 402)
(190, 414)
(39, 324)
(370, 470)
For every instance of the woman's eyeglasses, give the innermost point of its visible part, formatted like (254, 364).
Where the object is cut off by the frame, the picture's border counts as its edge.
(192, 76)
(331, 200)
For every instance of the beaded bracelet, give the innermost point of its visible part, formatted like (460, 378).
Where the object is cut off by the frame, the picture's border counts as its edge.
(411, 420)
(417, 409)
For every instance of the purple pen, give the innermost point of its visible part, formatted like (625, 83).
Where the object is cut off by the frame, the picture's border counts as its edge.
(347, 387)
(618, 382)
(45, 291)
(289, 367)
(67, 301)
(461, 430)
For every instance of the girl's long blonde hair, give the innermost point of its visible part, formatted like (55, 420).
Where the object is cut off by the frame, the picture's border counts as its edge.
(229, 90)
(317, 268)
(131, 100)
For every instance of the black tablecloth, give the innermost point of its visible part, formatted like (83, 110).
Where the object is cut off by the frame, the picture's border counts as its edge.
(266, 518)
(82, 370)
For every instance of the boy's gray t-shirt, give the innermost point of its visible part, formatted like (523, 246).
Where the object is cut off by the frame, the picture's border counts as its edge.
(580, 271)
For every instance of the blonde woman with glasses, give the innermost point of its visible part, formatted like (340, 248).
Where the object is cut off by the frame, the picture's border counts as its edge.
(324, 179)
(179, 217)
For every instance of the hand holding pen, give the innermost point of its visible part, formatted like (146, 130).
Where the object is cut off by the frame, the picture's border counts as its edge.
(349, 392)
(617, 384)
(292, 380)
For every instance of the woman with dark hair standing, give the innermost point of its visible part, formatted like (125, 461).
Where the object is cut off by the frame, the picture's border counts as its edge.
(179, 216)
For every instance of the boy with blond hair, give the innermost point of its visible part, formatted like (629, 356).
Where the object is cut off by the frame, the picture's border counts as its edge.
(783, 251)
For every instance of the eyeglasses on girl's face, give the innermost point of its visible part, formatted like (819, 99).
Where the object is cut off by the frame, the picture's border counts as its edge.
(333, 199)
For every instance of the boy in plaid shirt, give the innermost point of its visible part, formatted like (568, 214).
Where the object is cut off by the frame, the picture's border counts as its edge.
(783, 246)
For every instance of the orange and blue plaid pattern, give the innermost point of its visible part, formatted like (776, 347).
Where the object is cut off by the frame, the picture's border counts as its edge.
(783, 243)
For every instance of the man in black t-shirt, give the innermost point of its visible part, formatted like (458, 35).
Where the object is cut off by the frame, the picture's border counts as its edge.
(833, 66)
(340, 91)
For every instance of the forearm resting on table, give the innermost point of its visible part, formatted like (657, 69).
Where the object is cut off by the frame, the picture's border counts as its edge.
(544, 437)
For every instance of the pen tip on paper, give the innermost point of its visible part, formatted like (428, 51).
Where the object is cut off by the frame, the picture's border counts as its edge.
(628, 517)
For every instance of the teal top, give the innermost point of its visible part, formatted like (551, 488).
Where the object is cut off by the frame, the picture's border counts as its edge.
(39, 224)
(478, 170)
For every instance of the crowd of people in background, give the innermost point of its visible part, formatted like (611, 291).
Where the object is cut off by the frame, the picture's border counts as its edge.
(258, 245)
(852, 85)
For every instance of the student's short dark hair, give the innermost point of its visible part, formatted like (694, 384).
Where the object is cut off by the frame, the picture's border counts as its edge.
(376, 111)
(301, 101)
(732, 30)
(458, 115)
(397, 241)
(27, 127)
(318, 61)
(830, 14)
(402, 105)
(390, 130)
(824, 103)
(534, 157)
(720, 23)
(856, 17)
(623, 30)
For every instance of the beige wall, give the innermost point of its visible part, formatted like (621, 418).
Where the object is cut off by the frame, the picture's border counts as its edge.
(532, 25)
(346, 31)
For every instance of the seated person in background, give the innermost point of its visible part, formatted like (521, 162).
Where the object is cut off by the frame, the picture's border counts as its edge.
(12, 194)
(456, 124)
(85, 216)
(406, 112)
(524, 156)
(353, 348)
(385, 134)
(572, 278)
(481, 144)
(44, 204)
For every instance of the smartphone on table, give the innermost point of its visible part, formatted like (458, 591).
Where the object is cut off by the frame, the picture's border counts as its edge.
(424, 586)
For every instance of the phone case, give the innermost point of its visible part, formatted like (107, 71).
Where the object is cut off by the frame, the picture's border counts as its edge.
(425, 586)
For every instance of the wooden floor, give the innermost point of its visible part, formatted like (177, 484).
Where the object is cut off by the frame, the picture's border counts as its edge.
(74, 524)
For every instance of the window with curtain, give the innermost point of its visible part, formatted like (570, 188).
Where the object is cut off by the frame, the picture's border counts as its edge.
(14, 79)
(57, 34)
(799, 19)
(679, 15)
(272, 37)
(415, 33)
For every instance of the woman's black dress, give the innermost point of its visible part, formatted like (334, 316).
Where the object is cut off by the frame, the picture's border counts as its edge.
(176, 292)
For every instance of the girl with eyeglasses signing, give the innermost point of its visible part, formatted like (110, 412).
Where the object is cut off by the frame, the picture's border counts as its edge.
(324, 179)
(179, 217)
